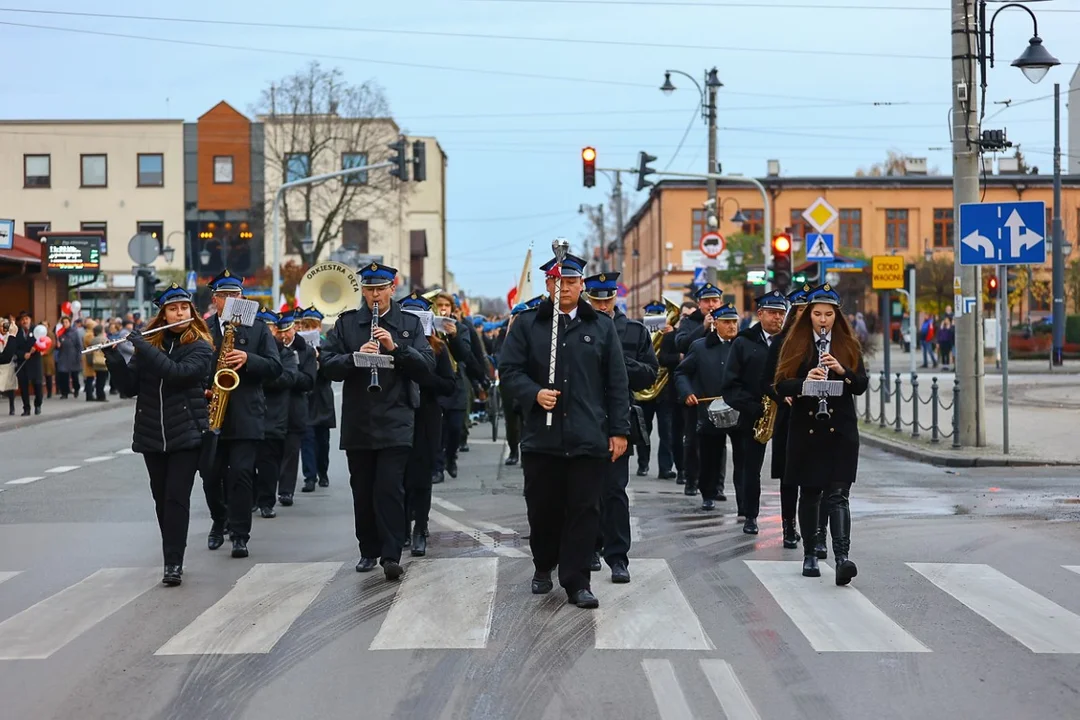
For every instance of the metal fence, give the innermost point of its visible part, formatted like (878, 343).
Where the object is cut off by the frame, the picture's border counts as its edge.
(901, 407)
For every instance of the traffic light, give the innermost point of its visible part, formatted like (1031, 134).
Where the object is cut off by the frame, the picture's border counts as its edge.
(419, 160)
(644, 159)
(781, 261)
(400, 170)
(588, 166)
(992, 287)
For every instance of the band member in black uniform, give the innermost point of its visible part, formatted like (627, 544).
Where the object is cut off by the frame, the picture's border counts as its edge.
(229, 486)
(823, 442)
(458, 337)
(427, 434)
(669, 352)
(744, 388)
(322, 416)
(789, 485)
(276, 424)
(377, 426)
(511, 411)
(166, 377)
(613, 540)
(565, 463)
(694, 327)
(700, 375)
(659, 409)
(298, 405)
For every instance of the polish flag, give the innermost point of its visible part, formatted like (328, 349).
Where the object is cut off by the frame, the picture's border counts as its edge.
(511, 297)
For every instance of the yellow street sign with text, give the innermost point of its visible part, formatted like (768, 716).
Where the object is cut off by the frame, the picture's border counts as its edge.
(887, 272)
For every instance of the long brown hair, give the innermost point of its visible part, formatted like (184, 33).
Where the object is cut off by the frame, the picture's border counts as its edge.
(196, 330)
(799, 345)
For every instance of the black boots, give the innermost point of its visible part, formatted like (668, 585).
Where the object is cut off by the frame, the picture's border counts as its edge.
(172, 575)
(840, 523)
(821, 548)
(791, 537)
(512, 458)
(808, 519)
(418, 546)
(810, 567)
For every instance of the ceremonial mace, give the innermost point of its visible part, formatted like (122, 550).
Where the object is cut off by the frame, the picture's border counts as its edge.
(560, 246)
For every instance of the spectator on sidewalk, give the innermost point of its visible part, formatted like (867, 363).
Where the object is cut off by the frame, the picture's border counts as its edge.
(926, 341)
(68, 359)
(945, 337)
(8, 328)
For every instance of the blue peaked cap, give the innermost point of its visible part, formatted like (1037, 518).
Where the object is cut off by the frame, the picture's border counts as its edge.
(603, 286)
(708, 290)
(572, 266)
(227, 282)
(417, 302)
(727, 311)
(171, 294)
(824, 294)
(377, 275)
(774, 300)
(655, 308)
(267, 316)
(312, 313)
(798, 296)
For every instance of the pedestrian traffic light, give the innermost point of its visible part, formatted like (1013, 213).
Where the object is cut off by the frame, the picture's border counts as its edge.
(644, 159)
(419, 159)
(781, 265)
(992, 287)
(399, 170)
(588, 166)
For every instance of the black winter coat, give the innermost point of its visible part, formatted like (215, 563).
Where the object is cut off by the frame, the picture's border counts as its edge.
(170, 407)
(744, 375)
(701, 373)
(691, 328)
(276, 392)
(245, 415)
(636, 342)
(427, 432)
(305, 383)
(822, 453)
(590, 372)
(32, 368)
(321, 410)
(374, 421)
(460, 345)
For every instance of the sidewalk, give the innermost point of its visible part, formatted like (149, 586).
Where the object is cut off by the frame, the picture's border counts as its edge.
(56, 409)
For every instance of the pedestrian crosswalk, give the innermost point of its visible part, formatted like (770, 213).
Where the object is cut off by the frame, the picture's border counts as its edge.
(478, 597)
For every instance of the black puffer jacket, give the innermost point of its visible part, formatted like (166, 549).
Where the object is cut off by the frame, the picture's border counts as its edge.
(170, 409)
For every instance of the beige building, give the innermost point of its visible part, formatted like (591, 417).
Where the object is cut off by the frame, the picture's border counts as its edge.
(113, 177)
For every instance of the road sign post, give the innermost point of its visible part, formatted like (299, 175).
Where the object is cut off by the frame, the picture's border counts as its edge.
(1003, 339)
(711, 245)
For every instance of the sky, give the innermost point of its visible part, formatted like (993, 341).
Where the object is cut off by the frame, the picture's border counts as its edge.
(513, 89)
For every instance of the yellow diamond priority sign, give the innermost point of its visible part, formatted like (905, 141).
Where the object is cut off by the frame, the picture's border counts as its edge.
(820, 214)
(887, 272)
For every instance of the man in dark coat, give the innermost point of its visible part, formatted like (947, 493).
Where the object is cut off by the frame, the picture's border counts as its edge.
(743, 389)
(229, 485)
(613, 540)
(511, 411)
(573, 428)
(322, 416)
(377, 426)
(298, 405)
(272, 447)
(659, 408)
(694, 327)
(28, 361)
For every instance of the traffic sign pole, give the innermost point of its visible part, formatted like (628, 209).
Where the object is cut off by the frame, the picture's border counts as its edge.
(1003, 338)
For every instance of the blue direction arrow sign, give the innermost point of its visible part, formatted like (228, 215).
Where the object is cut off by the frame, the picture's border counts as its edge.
(1008, 233)
(819, 246)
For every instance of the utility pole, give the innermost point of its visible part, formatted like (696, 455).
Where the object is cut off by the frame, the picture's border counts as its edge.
(1058, 262)
(966, 156)
(616, 197)
(603, 236)
(710, 183)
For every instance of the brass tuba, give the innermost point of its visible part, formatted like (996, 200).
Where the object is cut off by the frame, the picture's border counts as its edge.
(663, 376)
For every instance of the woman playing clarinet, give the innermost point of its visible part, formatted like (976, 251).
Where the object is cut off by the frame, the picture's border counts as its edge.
(823, 434)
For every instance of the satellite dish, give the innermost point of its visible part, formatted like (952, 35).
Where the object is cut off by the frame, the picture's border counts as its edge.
(143, 248)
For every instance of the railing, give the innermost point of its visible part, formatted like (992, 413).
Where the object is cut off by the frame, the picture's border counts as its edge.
(900, 409)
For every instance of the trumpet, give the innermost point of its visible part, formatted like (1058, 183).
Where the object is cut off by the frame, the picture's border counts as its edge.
(112, 343)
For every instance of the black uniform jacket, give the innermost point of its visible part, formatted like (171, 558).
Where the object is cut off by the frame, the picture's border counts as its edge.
(276, 392)
(427, 436)
(375, 421)
(321, 411)
(170, 407)
(641, 363)
(690, 328)
(821, 453)
(744, 376)
(245, 416)
(305, 383)
(590, 373)
(460, 346)
(783, 411)
(30, 369)
(701, 373)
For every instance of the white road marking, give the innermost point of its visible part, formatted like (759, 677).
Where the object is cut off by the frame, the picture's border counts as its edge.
(486, 540)
(635, 529)
(8, 574)
(728, 690)
(630, 496)
(62, 469)
(99, 458)
(256, 613)
(462, 624)
(125, 451)
(42, 629)
(446, 504)
(669, 697)
(25, 480)
(1038, 623)
(1073, 568)
(651, 613)
(833, 619)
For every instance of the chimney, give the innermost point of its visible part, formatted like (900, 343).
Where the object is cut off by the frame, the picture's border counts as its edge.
(773, 168)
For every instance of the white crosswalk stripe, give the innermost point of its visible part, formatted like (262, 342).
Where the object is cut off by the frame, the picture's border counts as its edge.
(728, 690)
(1041, 625)
(7, 575)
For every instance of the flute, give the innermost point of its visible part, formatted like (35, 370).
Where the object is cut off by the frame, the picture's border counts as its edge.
(111, 343)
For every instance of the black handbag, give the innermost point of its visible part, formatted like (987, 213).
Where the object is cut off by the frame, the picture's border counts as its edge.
(639, 435)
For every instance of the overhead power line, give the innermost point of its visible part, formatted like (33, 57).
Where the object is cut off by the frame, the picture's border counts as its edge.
(735, 4)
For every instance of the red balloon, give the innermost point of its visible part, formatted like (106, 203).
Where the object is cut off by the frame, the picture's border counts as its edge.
(66, 308)
(43, 344)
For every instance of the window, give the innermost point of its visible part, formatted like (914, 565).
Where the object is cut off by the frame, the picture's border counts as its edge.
(850, 228)
(97, 227)
(352, 160)
(354, 235)
(95, 171)
(154, 228)
(697, 227)
(943, 227)
(896, 228)
(223, 169)
(755, 222)
(34, 230)
(151, 170)
(297, 166)
(799, 227)
(37, 171)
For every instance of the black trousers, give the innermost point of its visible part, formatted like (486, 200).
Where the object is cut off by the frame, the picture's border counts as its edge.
(678, 421)
(315, 452)
(713, 450)
(25, 382)
(66, 382)
(172, 476)
(512, 418)
(377, 479)
(290, 462)
(691, 460)
(453, 435)
(562, 495)
(427, 437)
(661, 411)
(748, 482)
(230, 488)
(614, 537)
(789, 499)
(267, 471)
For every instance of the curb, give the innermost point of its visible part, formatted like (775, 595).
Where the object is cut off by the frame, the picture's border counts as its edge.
(952, 459)
(30, 421)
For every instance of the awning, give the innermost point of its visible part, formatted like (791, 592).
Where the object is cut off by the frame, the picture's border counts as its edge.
(24, 251)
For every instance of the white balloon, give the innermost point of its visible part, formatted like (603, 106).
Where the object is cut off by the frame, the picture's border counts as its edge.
(76, 307)
(40, 331)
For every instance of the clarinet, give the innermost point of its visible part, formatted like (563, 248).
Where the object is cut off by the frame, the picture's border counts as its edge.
(373, 386)
(823, 401)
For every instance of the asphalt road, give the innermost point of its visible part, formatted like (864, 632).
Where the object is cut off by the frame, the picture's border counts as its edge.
(967, 603)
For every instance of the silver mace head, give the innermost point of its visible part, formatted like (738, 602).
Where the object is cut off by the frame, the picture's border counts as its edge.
(560, 246)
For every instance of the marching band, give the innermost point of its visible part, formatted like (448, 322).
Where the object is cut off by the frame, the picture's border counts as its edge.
(244, 399)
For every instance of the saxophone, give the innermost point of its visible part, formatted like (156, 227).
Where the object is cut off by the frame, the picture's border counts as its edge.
(763, 428)
(225, 380)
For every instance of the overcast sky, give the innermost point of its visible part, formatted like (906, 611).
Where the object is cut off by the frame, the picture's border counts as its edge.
(513, 111)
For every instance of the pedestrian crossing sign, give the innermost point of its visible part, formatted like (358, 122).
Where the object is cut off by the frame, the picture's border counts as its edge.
(819, 246)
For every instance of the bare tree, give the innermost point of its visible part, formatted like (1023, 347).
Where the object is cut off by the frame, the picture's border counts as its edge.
(317, 122)
(603, 224)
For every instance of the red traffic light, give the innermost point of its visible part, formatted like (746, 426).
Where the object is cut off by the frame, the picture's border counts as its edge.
(993, 282)
(782, 243)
